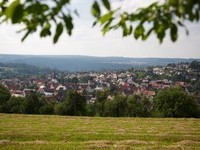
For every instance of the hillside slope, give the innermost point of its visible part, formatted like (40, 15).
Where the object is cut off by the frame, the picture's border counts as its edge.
(87, 63)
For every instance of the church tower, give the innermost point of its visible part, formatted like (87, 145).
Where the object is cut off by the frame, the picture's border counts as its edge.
(54, 76)
(54, 73)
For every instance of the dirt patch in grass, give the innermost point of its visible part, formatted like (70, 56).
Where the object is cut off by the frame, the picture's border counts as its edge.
(98, 144)
(3, 141)
(134, 142)
(161, 147)
(126, 144)
(33, 142)
(188, 142)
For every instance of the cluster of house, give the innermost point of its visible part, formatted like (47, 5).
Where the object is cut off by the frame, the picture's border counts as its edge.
(124, 82)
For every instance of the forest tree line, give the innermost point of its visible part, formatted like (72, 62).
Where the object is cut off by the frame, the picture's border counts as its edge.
(170, 102)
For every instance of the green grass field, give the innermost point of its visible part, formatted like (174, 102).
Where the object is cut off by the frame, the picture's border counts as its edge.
(61, 132)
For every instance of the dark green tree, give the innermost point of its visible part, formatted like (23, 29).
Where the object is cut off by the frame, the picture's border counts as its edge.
(100, 102)
(76, 104)
(16, 105)
(174, 102)
(4, 97)
(116, 107)
(139, 106)
(196, 87)
(47, 108)
(147, 107)
(134, 104)
(90, 109)
(195, 65)
(61, 108)
(33, 104)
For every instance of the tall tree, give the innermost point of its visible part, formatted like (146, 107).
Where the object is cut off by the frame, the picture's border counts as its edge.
(100, 102)
(139, 106)
(76, 103)
(16, 105)
(134, 104)
(119, 106)
(4, 97)
(33, 104)
(174, 102)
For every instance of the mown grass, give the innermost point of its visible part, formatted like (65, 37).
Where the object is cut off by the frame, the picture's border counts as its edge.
(63, 132)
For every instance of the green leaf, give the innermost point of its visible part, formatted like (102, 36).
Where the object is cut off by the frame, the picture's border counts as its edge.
(130, 30)
(125, 30)
(106, 27)
(160, 30)
(139, 31)
(45, 31)
(10, 10)
(145, 36)
(94, 23)
(18, 14)
(106, 3)
(173, 2)
(106, 17)
(59, 30)
(96, 12)
(26, 35)
(173, 32)
(161, 36)
(14, 11)
(182, 25)
(197, 14)
(45, 7)
(68, 24)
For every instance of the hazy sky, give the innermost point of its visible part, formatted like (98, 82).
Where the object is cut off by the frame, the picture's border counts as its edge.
(89, 41)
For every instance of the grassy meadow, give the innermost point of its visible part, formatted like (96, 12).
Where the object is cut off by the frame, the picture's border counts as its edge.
(64, 132)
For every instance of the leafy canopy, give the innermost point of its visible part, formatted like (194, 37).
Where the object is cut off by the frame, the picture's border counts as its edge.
(174, 102)
(56, 15)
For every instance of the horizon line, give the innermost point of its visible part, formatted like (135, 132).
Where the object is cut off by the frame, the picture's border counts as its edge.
(100, 56)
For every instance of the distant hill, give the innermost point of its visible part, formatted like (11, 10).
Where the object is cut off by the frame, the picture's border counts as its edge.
(11, 70)
(87, 63)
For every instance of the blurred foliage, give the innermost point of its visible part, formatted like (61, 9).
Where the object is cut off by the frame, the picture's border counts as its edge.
(56, 16)
(156, 18)
(39, 15)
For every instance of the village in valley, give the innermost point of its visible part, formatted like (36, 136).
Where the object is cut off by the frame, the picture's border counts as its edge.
(146, 82)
